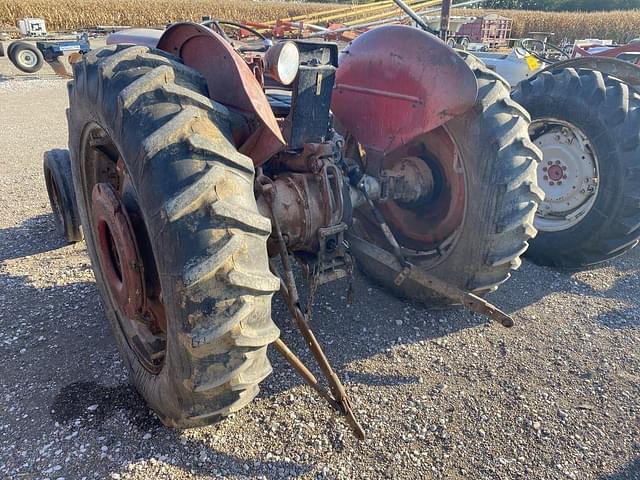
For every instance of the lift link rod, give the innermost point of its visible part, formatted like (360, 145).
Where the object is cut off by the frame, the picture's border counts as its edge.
(469, 300)
(289, 292)
(404, 269)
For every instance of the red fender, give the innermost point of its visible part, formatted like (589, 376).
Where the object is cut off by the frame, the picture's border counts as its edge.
(230, 82)
(229, 79)
(395, 83)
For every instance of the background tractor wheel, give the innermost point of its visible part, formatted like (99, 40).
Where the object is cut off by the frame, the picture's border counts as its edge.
(474, 228)
(177, 245)
(26, 57)
(587, 125)
(59, 182)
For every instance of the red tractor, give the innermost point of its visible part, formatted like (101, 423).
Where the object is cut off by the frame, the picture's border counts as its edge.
(199, 160)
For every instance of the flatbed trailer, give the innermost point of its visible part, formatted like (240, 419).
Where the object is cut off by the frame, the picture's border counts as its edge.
(37, 46)
(29, 54)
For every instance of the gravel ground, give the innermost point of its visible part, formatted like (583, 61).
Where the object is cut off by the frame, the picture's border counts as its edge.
(442, 394)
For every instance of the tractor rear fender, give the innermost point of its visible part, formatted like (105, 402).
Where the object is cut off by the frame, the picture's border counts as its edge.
(395, 83)
(229, 79)
(625, 71)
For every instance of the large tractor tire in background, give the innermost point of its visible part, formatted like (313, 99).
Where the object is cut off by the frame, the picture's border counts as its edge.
(587, 125)
(177, 245)
(473, 230)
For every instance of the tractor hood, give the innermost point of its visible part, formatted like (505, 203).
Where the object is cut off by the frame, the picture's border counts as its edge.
(395, 83)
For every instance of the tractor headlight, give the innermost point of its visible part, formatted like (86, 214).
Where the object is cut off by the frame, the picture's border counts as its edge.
(282, 61)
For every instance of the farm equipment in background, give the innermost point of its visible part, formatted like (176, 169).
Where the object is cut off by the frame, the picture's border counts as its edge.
(198, 160)
(585, 112)
(346, 23)
(36, 47)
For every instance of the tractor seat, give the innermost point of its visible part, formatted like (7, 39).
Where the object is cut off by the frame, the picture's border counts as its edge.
(280, 101)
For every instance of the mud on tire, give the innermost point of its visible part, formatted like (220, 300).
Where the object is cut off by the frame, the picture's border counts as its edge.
(607, 110)
(209, 241)
(502, 194)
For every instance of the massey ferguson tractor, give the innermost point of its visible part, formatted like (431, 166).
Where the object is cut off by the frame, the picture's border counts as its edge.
(203, 166)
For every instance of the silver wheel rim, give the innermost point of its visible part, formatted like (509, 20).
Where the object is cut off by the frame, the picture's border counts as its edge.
(27, 58)
(568, 174)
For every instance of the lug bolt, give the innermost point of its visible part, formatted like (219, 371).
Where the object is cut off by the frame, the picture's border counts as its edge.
(557, 162)
(564, 167)
(544, 169)
(559, 183)
(564, 177)
(546, 178)
(549, 162)
(551, 183)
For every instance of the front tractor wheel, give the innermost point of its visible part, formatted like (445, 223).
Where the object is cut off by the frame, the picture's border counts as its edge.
(473, 227)
(586, 123)
(177, 245)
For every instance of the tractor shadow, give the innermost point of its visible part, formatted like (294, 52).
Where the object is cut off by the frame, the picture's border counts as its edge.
(33, 236)
(629, 472)
(91, 406)
(372, 326)
(82, 384)
(533, 283)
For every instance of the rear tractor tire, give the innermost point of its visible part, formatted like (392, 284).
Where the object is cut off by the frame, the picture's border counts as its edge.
(482, 213)
(587, 125)
(177, 245)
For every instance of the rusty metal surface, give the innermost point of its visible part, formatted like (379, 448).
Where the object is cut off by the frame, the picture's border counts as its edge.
(289, 292)
(303, 203)
(444, 19)
(230, 82)
(304, 372)
(117, 250)
(429, 223)
(412, 273)
(395, 83)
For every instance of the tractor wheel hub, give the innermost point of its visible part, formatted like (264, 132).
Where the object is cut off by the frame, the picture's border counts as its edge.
(118, 251)
(568, 174)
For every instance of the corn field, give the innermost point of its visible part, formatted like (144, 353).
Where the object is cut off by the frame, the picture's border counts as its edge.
(64, 15)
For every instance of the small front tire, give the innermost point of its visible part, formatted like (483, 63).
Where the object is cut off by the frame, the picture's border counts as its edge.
(59, 182)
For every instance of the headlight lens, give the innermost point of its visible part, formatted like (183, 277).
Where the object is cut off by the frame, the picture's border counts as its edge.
(282, 62)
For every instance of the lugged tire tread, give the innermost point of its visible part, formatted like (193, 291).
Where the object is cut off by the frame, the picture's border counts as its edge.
(219, 368)
(618, 107)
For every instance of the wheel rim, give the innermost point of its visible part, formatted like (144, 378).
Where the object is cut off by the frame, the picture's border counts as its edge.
(429, 228)
(27, 58)
(568, 174)
(123, 249)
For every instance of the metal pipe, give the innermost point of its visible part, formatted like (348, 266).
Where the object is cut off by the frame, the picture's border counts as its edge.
(414, 16)
(419, 4)
(304, 372)
(388, 20)
(445, 14)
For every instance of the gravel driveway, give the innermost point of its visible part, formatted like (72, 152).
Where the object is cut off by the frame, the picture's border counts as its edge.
(442, 394)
